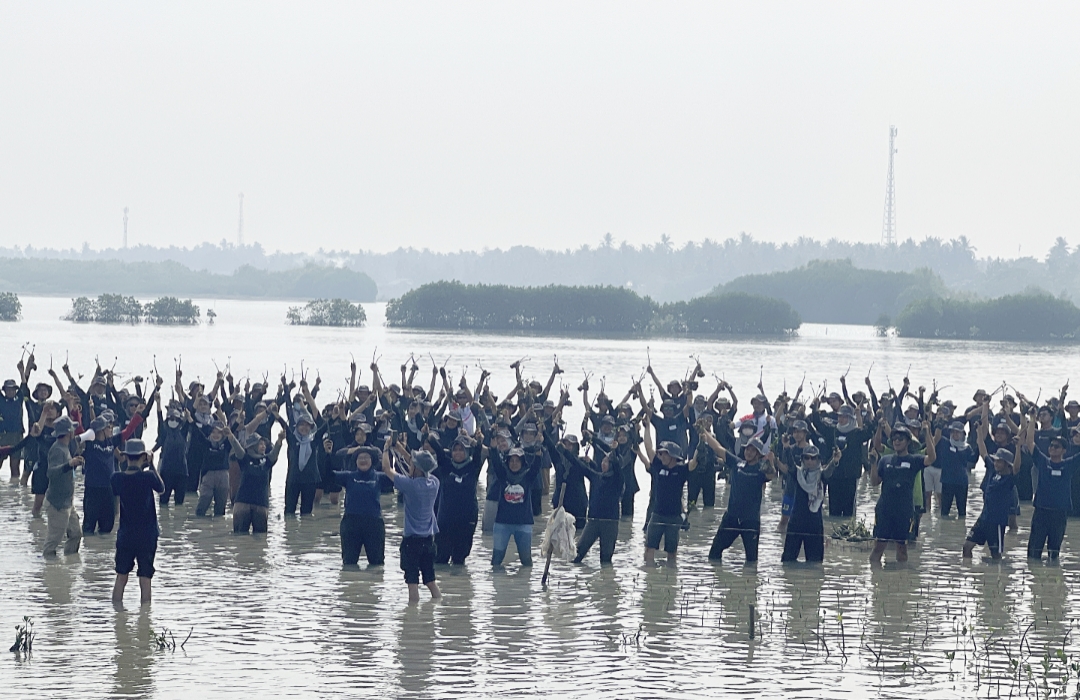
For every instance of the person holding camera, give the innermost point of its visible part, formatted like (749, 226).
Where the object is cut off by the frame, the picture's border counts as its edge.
(137, 536)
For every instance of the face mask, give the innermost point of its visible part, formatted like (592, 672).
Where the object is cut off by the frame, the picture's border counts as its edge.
(846, 427)
(174, 424)
(958, 444)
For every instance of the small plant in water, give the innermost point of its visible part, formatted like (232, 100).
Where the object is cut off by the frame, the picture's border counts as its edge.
(165, 641)
(24, 637)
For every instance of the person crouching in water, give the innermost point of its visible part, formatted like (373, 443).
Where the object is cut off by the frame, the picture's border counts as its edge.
(742, 518)
(895, 510)
(806, 530)
(251, 507)
(137, 536)
(362, 526)
(419, 490)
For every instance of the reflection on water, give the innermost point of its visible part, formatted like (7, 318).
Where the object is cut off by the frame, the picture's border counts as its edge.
(275, 615)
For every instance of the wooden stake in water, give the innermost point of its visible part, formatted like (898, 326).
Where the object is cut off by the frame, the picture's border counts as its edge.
(751, 622)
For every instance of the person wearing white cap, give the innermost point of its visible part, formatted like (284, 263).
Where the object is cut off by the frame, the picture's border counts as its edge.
(59, 497)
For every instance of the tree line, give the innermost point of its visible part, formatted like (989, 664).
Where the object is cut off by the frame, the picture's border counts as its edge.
(1030, 316)
(117, 308)
(91, 277)
(561, 309)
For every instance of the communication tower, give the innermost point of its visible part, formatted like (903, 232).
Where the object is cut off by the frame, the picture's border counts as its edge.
(888, 224)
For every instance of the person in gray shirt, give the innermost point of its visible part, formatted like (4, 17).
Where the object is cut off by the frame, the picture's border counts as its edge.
(63, 517)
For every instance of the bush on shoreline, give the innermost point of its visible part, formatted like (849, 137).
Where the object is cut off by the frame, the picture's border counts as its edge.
(456, 306)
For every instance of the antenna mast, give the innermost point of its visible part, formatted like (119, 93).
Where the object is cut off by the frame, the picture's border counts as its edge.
(125, 226)
(888, 224)
(240, 227)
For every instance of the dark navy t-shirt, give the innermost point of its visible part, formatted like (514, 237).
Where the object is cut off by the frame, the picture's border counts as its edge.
(362, 491)
(667, 486)
(1055, 481)
(954, 463)
(138, 512)
(997, 498)
(898, 482)
(744, 498)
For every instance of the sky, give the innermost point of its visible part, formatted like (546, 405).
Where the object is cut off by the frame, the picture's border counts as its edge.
(467, 125)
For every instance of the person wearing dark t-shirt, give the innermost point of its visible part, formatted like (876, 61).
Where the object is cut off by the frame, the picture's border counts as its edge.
(747, 478)
(955, 459)
(1053, 495)
(989, 529)
(458, 473)
(806, 529)
(669, 475)
(251, 506)
(895, 509)
(137, 536)
(362, 526)
(605, 492)
(513, 486)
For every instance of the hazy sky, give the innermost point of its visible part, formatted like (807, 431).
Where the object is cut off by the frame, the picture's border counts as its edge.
(463, 125)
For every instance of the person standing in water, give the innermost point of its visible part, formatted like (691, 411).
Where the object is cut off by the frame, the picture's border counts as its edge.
(419, 490)
(895, 509)
(137, 536)
(60, 495)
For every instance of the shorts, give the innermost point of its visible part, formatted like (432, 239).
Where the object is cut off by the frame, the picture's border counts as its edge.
(786, 504)
(8, 438)
(143, 553)
(893, 527)
(664, 527)
(39, 482)
(931, 481)
(985, 532)
(418, 559)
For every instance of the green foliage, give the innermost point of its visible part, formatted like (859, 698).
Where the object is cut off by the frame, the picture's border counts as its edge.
(10, 306)
(453, 305)
(107, 308)
(835, 291)
(327, 312)
(91, 277)
(1030, 316)
(172, 311)
(115, 308)
(883, 324)
(733, 312)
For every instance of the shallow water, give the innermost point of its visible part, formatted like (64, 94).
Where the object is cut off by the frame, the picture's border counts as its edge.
(277, 615)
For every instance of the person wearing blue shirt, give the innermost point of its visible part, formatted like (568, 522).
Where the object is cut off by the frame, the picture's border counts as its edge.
(895, 510)
(742, 518)
(11, 422)
(1053, 494)
(419, 489)
(955, 459)
(669, 474)
(137, 536)
(362, 526)
(989, 529)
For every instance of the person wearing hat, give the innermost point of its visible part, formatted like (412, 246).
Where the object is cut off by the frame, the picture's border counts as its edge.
(702, 479)
(747, 477)
(806, 529)
(515, 482)
(304, 475)
(949, 475)
(605, 492)
(99, 502)
(419, 489)
(1053, 493)
(11, 423)
(362, 527)
(851, 435)
(60, 494)
(895, 510)
(669, 473)
(569, 470)
(172, 440)
(458, 473)
(796, 439)
(202, 422)
(217, 449)
(42, 436)
(137, 536)
(998, 491)
(251, 505)
(536, 455)
(673, 423)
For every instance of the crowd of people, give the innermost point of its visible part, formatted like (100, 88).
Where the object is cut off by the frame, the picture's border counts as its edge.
(431, 444)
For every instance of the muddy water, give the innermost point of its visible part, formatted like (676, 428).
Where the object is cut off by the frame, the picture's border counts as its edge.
(277, 616)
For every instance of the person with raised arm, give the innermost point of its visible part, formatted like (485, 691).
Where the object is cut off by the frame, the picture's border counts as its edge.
(998, 490)
(895, 473)
(137, 536)
(1053, 473)
(669, 474)
(419, 489)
